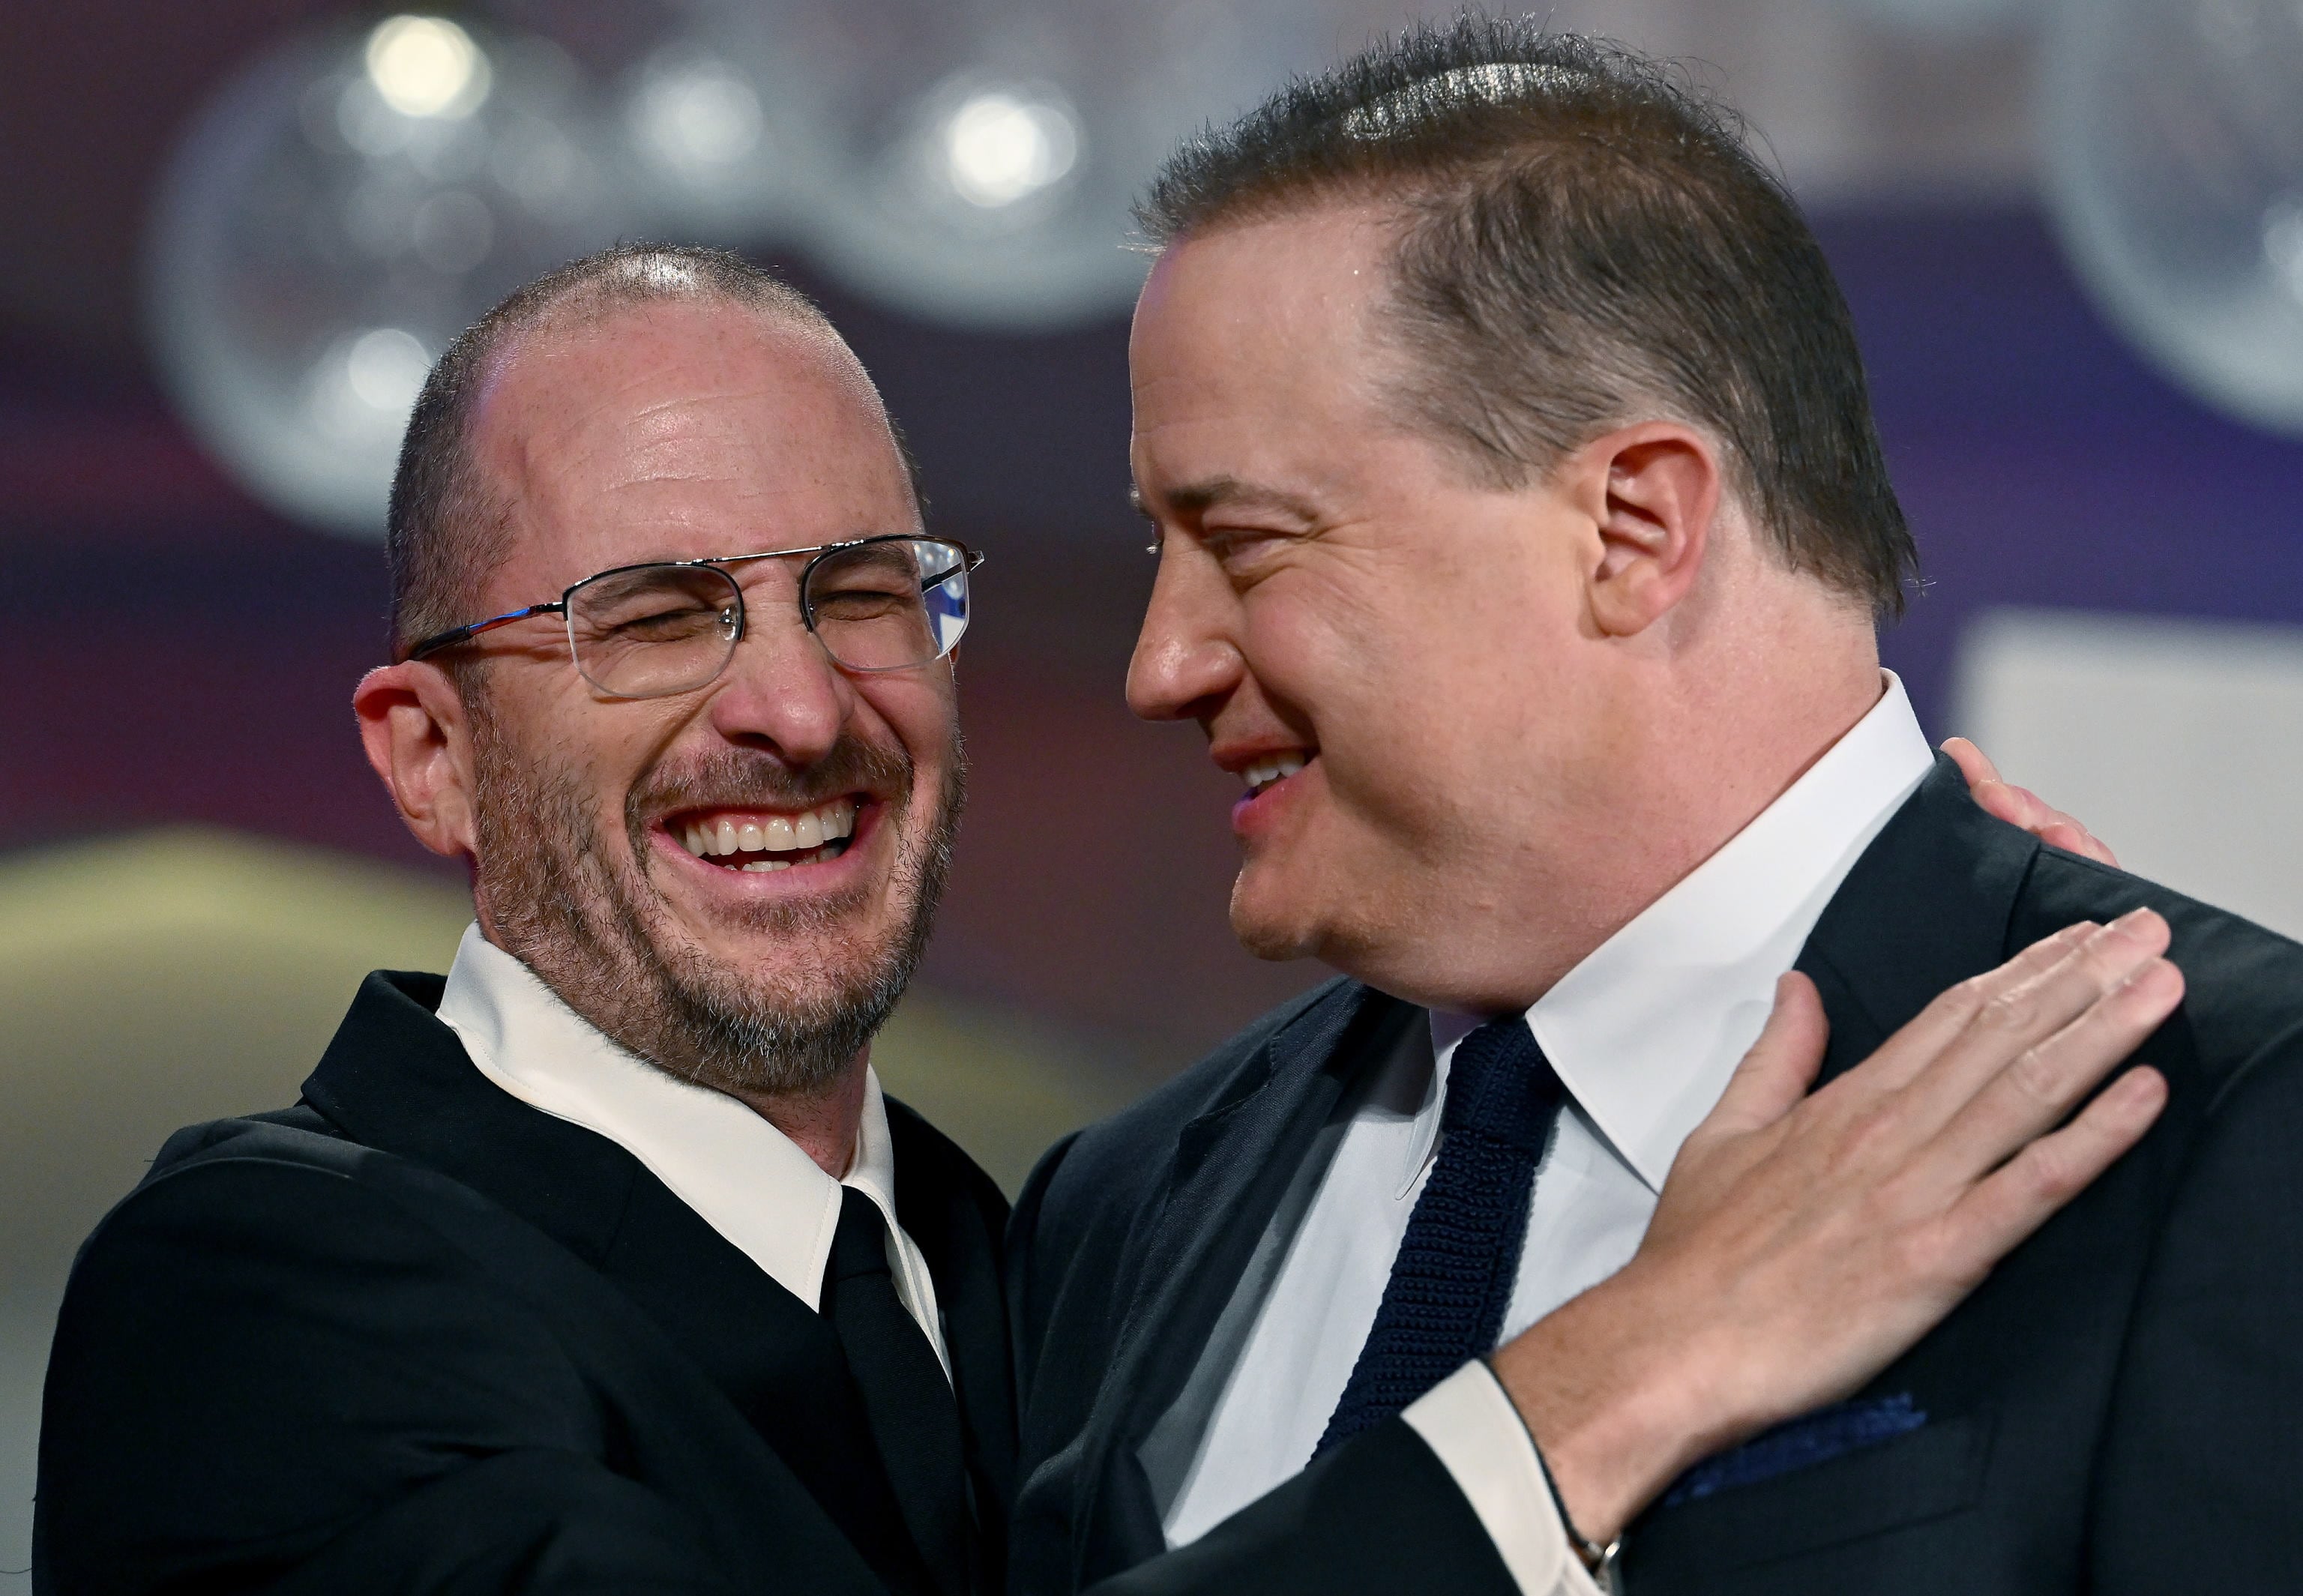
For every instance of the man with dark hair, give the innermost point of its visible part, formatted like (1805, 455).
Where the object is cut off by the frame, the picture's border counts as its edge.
(1521, 534)
(602, 1265)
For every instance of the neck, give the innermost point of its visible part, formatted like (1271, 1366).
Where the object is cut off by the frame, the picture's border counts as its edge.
(1691, 751)
(823, 1123)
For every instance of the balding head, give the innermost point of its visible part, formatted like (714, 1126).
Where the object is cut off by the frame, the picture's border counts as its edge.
(450, 521)
(645, 408)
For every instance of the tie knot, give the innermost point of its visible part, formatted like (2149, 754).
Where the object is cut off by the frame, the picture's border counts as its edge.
(860, 1246)
(1500, 1087)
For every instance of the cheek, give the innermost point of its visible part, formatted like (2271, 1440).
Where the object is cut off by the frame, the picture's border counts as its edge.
(917, 710)
(1355, 679)
(602, 751)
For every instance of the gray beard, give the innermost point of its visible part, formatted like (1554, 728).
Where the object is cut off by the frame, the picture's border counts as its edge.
(557, 903)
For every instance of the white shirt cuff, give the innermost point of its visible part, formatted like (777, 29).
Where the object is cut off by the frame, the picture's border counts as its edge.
(1480, 1439)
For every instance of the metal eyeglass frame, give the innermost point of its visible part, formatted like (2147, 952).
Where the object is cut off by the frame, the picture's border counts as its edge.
(969, 560)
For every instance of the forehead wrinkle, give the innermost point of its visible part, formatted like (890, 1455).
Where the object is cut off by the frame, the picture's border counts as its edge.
(701, 432)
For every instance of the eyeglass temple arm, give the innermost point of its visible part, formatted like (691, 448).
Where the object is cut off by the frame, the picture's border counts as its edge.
(439, 640)
(968, 561)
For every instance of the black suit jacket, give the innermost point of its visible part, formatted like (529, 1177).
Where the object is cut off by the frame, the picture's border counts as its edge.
(415, 1336)
(2117, 1409)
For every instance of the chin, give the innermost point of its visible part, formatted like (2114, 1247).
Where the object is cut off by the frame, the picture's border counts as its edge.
(1269, 925)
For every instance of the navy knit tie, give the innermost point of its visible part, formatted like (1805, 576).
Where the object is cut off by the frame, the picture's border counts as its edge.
(1444, 1304)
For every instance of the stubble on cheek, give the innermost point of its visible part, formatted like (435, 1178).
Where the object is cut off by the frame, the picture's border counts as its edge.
(594, 925)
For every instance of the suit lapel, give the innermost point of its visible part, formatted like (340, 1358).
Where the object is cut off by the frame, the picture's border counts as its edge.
(1193, 1254)
(1928, 904)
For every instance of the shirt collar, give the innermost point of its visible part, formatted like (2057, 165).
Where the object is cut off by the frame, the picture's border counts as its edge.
(745, 1177)
(1645, 1032)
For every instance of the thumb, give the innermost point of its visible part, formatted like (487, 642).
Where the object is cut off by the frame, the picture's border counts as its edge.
(1781, 1065)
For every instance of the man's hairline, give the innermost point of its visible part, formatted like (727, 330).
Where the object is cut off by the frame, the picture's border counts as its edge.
(1469, 466)
(500, 508)
(1388, 328)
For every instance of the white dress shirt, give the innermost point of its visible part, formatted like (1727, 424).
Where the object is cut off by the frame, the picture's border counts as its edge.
(1644, 1032)
(742, 1175)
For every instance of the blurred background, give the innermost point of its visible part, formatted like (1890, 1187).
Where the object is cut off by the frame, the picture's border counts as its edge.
(2072, 230)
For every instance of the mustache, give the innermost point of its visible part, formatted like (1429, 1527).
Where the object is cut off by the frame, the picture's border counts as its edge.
(747, 777)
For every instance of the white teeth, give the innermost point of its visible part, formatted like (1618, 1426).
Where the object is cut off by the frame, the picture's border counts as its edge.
(771, 835)
(1279, 767)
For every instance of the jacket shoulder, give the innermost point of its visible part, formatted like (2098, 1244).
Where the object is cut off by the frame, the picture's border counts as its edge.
(260, 1268)
(2243, 983)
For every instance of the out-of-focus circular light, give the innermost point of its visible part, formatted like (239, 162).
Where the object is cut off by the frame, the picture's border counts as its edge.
(976, 164)
(696, 114)
(385, 368)
(427, 66)
(317, 244)
(971, 163)
(710, 139)
(2174, 149)
(1003, 145)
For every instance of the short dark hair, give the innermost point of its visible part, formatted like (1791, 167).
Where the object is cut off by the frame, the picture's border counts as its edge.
(1582, 234)
(445, 529)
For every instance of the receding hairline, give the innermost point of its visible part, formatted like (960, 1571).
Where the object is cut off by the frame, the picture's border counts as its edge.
(572, 320)
(467, 500)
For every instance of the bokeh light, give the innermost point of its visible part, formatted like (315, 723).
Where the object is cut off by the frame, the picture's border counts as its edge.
(711, 160)
(974, 164)
(427, 66)
(335, 216)
(2173, 145)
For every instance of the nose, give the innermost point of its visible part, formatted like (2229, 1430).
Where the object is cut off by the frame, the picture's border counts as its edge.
(1187, 660)
(781, 692)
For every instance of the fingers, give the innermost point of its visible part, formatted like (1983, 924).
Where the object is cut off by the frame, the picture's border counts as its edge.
(2004, 1208)
(1781, 1065)
(1924, 1038)
(1972, 762)
(2072, 836)
(2041, 1085)
(2019, 806)
(2005, 1037)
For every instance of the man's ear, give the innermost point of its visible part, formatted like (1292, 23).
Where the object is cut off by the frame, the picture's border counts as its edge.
(418, 740)
(1653, 491)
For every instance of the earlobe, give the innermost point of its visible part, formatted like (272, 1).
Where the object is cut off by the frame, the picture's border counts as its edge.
(417, 740)
(1660, 486)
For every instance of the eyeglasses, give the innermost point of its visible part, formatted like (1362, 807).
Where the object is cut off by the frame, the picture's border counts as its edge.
(646, 631)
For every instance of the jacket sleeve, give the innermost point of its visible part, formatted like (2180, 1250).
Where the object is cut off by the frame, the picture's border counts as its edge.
(2197, 1488)
(1379, 1515)
(268, 1377)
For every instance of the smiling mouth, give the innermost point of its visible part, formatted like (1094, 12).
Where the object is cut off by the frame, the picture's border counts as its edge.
(1269, 772)
(761, 840)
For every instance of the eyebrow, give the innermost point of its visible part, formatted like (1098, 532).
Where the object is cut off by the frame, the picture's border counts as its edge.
(1196, 498)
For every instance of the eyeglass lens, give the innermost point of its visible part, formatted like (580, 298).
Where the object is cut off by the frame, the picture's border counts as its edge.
(884, 605)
